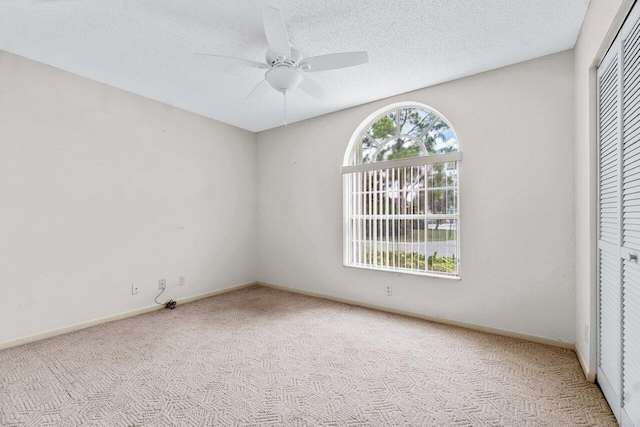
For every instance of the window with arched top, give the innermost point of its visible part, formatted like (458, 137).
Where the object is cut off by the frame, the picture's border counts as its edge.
(401, 193)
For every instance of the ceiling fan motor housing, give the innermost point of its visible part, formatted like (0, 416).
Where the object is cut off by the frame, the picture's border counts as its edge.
(275, 59)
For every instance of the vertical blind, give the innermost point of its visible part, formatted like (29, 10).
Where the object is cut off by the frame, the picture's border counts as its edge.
(404, 218)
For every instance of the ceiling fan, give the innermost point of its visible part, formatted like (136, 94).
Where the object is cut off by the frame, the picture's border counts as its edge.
(285, 65)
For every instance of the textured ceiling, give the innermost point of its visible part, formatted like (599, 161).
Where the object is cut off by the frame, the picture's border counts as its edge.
(146, 46)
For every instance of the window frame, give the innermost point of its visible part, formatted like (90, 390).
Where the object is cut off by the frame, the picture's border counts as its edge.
(348, 168)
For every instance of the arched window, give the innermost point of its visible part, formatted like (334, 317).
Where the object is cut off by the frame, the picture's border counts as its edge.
(401, 193)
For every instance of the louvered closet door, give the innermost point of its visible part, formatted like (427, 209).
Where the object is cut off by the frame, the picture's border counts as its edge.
(609, 229)
(619, 223)
(630, 40)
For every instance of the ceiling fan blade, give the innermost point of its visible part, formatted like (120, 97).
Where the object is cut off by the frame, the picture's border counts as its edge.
(234, 61)
(311, 87)
(276, 31)
(334, 61)
(260, 87)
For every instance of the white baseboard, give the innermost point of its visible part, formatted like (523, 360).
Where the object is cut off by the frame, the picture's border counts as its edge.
(55, 332)
(49, 334)
(591, 376)
(496, 331)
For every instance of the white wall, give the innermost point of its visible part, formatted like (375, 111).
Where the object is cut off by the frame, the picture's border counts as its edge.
(516, 130)
(601, 23)
(101, 188)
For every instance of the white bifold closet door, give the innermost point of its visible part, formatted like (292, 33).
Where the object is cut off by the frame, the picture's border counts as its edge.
(609, 230)
(619, 224)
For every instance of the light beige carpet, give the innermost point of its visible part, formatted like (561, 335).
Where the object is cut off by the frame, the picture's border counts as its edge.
(259, 356)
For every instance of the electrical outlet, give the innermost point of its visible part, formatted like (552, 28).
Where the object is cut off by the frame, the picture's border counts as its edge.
(134, 289)
(162, 283)
(389, 290)
(182, 280)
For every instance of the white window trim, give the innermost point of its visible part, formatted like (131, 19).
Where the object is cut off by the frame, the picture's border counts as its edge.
(409, 161)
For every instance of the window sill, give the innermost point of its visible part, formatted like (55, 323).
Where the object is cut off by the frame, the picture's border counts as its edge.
(413, 273)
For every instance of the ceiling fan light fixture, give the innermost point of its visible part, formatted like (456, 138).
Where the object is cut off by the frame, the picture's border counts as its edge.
(283, 79)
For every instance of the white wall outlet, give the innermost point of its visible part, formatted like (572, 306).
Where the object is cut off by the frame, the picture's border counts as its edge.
(134, 289)
(162, 283)
(182, 280)
(388, 290)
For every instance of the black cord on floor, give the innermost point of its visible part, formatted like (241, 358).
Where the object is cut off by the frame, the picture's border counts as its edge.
(169, 304)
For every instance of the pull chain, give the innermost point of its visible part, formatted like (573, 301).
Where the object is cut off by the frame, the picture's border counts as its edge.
(284, 112)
